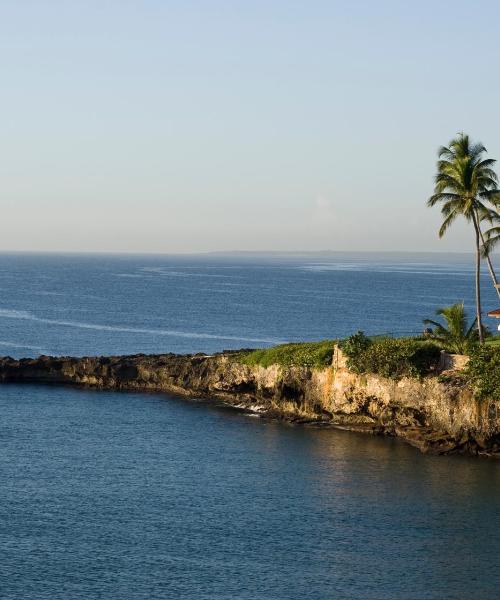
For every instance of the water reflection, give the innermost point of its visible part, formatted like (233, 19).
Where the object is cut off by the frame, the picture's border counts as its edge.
(145, 496)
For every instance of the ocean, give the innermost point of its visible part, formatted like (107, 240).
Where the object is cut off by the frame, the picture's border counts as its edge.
(105, 304)
(146, 496)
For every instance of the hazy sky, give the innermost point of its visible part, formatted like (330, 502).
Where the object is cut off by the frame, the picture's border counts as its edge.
(170, 126)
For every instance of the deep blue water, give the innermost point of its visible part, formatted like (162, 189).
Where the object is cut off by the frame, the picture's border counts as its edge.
(121, 304)
(145, 496)
(113, 496)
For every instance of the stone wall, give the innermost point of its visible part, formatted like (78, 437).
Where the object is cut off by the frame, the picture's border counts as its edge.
(453, 362)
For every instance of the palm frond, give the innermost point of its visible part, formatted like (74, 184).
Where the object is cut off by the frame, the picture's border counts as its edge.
(491, 240)
(454, 334)
(447, 222)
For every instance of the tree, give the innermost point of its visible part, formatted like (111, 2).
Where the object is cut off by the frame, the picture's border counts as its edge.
(456, 334)
(466, 185)
(489, 240)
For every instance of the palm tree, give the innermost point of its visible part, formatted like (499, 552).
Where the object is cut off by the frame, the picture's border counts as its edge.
(466, 185)
(455, 335)
(489, 240)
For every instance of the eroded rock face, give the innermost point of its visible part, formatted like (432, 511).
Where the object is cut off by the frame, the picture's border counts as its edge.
(433, 415)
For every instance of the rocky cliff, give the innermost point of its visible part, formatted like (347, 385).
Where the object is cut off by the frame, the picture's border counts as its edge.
(436, 414)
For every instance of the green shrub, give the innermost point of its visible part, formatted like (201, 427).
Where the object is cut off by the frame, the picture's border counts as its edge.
(354, 346)
(306, 354)
(391, 357)
(483, 372)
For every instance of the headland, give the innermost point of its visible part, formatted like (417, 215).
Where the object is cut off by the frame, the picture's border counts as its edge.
(438, 413)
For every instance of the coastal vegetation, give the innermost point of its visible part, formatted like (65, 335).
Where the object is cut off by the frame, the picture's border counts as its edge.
(456, 335)
(466, 185)
(483, 372)
(391, 357)
(305, 354)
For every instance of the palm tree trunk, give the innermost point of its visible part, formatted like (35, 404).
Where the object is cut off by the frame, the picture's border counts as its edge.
(478, 280)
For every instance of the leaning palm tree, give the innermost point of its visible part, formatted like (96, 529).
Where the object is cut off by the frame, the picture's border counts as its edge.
(489, 240)
(492, 235)
(455, 334)
(466, 185)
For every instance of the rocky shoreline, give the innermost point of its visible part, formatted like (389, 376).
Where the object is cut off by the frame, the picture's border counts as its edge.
(438, 415)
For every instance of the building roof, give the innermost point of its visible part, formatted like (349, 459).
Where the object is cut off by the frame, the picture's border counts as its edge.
(494, 313)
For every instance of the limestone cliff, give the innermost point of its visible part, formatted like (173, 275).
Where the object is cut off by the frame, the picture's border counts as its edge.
(435, 414)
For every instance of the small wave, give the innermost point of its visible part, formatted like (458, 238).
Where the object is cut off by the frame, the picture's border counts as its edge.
(168, 272)
(27, 346)
(15, 314)
(25, 315)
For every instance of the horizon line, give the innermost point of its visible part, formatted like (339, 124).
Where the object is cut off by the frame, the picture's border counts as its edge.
(230, 252)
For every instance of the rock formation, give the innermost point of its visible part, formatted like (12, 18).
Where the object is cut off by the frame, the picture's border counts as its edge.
(436, 414)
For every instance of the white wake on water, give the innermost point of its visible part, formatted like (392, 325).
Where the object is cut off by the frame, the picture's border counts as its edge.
(26, 346)
(6, 313)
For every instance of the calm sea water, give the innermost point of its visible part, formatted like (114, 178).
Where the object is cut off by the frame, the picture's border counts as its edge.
(85, 305)
(116, 495)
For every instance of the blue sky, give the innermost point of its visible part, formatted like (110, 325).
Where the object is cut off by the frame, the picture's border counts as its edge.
(164, 126)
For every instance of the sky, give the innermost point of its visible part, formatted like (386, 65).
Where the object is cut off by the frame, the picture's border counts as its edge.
(183, 126)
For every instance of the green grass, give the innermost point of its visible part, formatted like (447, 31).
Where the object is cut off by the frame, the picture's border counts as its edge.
(493, 341)
(303, 354)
